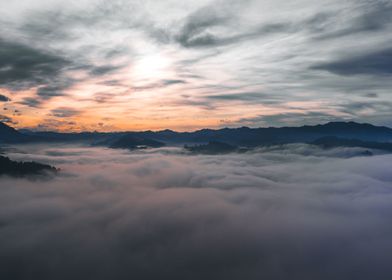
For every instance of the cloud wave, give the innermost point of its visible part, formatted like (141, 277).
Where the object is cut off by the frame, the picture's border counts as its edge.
(292, 213)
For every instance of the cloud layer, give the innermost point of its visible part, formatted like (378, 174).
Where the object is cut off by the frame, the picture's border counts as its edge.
(292, 213)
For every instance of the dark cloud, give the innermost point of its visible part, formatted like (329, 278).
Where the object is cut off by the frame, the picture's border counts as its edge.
(4, 98)
(103, 97)
(206, 39)
(375, 63)
(366, 17)
(259, 97)
(173, 82)
(112, 82)
(362, 109)
(159, 84)
(65, 112)
(48, 92)
(294, 212)
(191, 33)
(31, 102)
(189, 101)
(104, 70)
(22, 66)
(17, 113)
(25, 67)
(371, 95)
(198, 27)
(377, 15)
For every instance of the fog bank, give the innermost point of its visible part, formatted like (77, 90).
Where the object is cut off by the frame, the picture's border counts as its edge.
(297, 212)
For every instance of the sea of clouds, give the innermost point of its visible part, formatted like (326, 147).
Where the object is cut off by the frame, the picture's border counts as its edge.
(291, 212)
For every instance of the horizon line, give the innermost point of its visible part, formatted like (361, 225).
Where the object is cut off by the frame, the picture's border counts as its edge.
(191, 131)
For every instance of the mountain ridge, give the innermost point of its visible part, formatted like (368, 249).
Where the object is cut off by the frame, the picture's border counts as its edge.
(241, 136)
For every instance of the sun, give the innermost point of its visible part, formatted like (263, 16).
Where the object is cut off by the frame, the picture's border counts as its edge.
(151, 66)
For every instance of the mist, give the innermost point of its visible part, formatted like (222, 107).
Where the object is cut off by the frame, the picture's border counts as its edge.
(293, 212)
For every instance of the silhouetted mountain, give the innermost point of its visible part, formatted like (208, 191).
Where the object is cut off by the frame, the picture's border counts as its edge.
(251, 137)
(243, 136)
(133, 142)
(333, 142)
(213, 147)
(21, 169)
(9, 134)
(12, 136)
(51, 136)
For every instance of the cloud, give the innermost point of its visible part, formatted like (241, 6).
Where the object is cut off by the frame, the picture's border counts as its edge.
(251, 97)
(65, 112)
(5, 119)
(31, 102)
(358, 108)
(104, 70)
(371, 95)
(173, 82)
(56, 123)
(48, 92)
(159, 84)
(297, 212)
(216, 52)
(4, 98)
(213, 25)
(24, 67)
(192, 32)
(376, 63)
(376, 16)
(365, 18)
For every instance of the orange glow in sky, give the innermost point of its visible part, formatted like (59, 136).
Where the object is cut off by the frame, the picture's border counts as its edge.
(187, 65)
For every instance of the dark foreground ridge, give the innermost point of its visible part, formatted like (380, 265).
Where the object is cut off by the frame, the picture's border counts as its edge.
(22, 169)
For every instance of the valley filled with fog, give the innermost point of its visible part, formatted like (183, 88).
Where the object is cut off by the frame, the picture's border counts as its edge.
(290, 212)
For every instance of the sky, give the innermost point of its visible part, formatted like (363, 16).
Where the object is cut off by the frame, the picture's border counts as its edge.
(185, 65)
(288, 212)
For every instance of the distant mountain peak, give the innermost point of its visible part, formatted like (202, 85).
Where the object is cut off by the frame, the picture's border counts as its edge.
(350, 124)
(342, 123)
(4, 126)
(8, 133)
